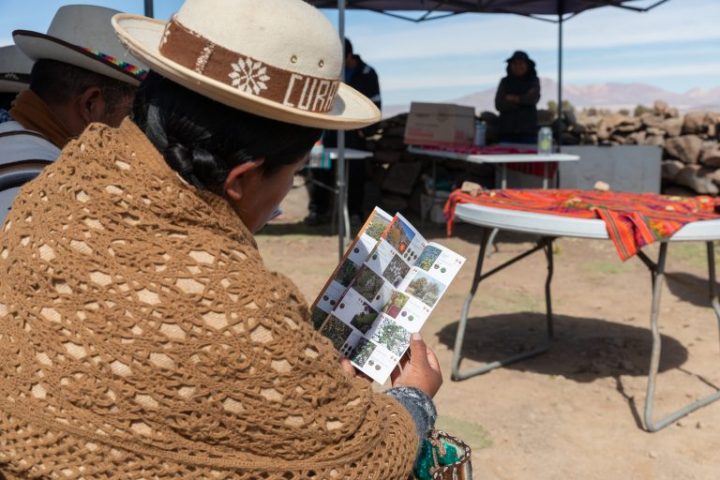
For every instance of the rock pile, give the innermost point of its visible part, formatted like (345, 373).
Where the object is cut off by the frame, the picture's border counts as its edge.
(690, 143)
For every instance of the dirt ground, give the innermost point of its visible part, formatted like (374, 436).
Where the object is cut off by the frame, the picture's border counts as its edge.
(573, 413)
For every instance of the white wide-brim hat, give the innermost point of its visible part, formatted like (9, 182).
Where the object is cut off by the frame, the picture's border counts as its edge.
(83, 36)
(15, 69)
(280, 59)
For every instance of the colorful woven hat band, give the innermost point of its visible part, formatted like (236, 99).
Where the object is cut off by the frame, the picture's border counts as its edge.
(129, 68)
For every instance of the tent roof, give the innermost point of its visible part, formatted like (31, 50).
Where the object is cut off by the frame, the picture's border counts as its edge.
(520, 7)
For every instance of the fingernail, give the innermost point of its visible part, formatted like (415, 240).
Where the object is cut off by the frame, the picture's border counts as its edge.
(416, 336)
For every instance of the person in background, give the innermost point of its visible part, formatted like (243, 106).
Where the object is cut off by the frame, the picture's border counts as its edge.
(516, 100)
(14, 77)
(81, 75)
(363, 78)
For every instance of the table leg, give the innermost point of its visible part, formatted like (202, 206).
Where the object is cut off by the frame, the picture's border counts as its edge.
(346, 212)
(491, 242)
(341, 204)
(545, 244)
(658, 274)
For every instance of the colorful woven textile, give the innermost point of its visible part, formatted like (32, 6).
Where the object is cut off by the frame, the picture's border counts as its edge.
(633, 220)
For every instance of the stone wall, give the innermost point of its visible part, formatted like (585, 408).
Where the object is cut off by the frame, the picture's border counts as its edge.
(690, 142)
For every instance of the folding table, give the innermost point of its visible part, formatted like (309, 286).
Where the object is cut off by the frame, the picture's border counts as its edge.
(550, 227)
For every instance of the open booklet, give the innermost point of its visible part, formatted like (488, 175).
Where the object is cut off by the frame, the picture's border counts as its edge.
(383, 290)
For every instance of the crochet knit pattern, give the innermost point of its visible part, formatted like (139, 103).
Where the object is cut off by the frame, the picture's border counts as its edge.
(141, 337)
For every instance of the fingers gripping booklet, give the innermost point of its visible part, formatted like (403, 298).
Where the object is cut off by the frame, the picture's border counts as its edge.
(384, 289)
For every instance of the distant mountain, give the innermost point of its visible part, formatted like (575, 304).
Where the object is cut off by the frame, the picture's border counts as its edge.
(606, 95)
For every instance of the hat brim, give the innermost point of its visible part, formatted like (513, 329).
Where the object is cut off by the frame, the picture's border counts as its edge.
(40, 46)
(142, 36)
(10, 86)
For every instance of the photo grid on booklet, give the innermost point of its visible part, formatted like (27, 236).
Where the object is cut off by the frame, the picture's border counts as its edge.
(383, 291)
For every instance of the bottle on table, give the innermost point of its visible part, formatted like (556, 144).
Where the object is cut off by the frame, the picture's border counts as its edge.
(545, 141)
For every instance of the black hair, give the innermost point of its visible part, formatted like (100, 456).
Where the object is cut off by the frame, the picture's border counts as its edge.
(203, 140)
(6, 99)
(57, 83)
(348, 47)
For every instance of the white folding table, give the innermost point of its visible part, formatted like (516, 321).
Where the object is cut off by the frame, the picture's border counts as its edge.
(550, 227)
(502, 159)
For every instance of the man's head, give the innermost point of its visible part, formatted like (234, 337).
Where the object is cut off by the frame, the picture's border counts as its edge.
(80, 97)
(82, 71)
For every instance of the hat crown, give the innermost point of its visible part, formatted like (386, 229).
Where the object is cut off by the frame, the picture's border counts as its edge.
(287, 34)
(13, 60)
(89, 27)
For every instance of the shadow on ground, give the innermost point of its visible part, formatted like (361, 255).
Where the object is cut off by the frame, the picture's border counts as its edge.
(584, 348)
(689, 288)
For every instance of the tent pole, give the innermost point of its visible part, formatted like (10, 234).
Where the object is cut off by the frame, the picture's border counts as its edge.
(149, 8)
(341, 201)
(561, 12)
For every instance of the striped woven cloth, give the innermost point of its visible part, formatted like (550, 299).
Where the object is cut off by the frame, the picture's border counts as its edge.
(633, 220)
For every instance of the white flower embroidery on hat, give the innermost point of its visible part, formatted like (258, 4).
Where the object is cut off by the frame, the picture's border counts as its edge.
(249, 76)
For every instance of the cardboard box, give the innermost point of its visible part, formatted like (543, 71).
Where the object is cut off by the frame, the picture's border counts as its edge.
(440, 124)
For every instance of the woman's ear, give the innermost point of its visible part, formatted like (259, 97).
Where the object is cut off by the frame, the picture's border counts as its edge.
(234, 182)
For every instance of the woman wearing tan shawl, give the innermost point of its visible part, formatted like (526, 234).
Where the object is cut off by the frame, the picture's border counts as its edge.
(141, 335)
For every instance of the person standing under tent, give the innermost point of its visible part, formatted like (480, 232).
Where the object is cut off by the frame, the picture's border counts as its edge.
(516, 100)
(363, 78)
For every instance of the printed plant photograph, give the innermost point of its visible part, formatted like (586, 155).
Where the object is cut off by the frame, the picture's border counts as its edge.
(396, 271)
(426, 288)
(400, 235)
(336, 331)
(428, 257)
(362, 352)
(346, 273)
(367, 283)
(318, 317)
(364, 319)
(396, 304)
(376, 227)
(392, 336)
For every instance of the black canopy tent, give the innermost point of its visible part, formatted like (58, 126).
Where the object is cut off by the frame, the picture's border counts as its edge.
(555, 11)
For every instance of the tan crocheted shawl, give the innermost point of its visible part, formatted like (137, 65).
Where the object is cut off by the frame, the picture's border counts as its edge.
(141, 336)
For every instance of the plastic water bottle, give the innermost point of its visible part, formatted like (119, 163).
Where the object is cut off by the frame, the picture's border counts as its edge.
(480, 131)
(545, 141)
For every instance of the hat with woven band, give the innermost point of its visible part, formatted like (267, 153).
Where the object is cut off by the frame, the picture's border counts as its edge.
(14, 69)
(82, 35)
(280, 59)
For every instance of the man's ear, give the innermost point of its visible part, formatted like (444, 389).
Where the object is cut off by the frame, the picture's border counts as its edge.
(91, 105)
(233, 183)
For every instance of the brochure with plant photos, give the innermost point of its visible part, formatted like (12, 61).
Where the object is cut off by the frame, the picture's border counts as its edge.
(383, 290)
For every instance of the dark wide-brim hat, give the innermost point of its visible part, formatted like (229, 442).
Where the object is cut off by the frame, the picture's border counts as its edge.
(520, 55)
(83, 36)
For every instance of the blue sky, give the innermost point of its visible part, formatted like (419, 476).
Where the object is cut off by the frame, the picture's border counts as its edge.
(675, 47)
